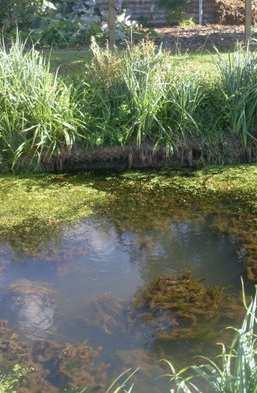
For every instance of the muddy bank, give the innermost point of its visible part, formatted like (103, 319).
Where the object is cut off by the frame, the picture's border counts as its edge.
(191, 154)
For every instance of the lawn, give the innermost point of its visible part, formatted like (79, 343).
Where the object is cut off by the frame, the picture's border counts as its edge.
(71, 61)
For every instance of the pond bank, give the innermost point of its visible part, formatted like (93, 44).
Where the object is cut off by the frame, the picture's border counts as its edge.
(195, 153)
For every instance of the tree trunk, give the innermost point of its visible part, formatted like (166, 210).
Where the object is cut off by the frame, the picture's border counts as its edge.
(248, 21)
(111, 23)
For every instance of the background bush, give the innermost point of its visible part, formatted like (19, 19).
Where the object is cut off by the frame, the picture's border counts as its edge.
(232, 12)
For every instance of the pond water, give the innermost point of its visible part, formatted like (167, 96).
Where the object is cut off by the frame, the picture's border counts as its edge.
(77, 287)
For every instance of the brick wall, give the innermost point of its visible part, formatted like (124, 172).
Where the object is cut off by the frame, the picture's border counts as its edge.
(151, 12)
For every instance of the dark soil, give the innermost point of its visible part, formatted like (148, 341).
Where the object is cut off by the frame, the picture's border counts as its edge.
(200, 38)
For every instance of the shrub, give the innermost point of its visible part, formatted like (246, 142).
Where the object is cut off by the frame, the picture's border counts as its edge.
(21, 13)
(176, 10)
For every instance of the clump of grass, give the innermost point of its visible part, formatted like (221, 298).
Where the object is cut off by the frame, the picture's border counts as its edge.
(101, 97)
(146, 75)
(124, 92)
(238, 86)
(133, 97)
(185, 96)
(37, 111)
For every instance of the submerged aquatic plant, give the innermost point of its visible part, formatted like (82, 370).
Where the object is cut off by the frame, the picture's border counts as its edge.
(178, 306)
(235, 370)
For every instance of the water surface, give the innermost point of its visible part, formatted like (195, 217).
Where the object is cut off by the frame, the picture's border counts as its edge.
(93, 267)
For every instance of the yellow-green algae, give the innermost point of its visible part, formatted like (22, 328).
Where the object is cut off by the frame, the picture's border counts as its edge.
(35, 207)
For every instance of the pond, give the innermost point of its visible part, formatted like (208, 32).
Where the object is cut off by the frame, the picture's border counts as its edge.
(79, 288)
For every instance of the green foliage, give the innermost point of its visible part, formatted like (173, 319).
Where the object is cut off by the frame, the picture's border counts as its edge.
(238, 87)
(37, 110)
(176, 10)
(21, 13)
(132, 97)
(187, 23)
(146, 74)
(125, 91)
(63, 32)
(10, 381)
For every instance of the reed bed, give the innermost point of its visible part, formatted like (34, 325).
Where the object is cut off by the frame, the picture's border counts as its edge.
(132, 99)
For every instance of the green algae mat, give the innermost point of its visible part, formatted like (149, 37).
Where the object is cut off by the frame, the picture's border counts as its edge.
(44, 203)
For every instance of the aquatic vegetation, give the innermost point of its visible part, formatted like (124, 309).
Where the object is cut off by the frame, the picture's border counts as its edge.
(235, 370)
(105, 313)
(73, 365)
(11, 380)
(178, 306)
(52, 365)
(34, 209)
(138, 201)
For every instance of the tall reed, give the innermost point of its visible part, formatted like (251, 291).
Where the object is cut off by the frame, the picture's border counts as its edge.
(146, 75)
(132, 97)
(124, 92)
(37, 111)
(238, 85)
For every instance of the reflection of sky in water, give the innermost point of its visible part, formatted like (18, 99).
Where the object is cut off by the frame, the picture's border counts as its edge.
(93, 258)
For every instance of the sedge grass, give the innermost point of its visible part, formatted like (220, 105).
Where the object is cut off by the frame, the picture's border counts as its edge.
(37, 110)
